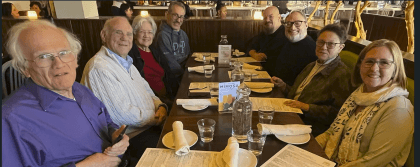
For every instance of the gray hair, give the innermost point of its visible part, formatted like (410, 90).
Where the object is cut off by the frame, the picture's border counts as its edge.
(138, 22)
(15, 50)
(172, 4)
(297, 11)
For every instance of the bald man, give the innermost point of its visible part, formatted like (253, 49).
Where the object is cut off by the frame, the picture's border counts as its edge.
(271, 38)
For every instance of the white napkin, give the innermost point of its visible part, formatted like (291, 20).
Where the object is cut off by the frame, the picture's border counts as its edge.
(209, 102)
(259, 85)
(229, 156)
(199, 68)
(181, 144)
(249, 66)
(292, 129)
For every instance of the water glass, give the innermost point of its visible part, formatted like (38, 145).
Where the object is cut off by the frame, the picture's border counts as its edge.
(206, 58)
(256, 141)
(248, 77)
(206, 129)
(208, 70)
(232, 63)
(214, 89)
(265, 114)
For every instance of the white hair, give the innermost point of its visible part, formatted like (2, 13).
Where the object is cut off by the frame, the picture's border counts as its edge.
(15, 50)
(138, 22)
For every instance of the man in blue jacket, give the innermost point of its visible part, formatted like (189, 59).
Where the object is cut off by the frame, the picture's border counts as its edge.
(173, 41)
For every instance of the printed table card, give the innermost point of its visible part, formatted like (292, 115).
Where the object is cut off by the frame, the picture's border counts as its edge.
(227, 94)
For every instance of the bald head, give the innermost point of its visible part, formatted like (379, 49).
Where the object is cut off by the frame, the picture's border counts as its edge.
(117, 36)
(272, 19)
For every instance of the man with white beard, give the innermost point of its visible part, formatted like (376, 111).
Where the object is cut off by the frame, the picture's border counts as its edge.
(297, 52)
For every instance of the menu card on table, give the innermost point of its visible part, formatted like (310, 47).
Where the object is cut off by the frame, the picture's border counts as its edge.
(292, 156)
(276, 103)
(201, 87)
(158, 157)
(227, 94)
(224, 54)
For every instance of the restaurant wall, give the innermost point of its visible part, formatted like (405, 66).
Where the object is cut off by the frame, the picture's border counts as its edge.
(20, 5)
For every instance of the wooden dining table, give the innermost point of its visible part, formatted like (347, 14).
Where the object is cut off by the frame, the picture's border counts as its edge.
(223, 128)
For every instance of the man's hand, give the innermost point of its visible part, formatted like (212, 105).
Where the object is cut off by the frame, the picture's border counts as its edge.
(160, 115)
(257, 56)
(100, 159)
(297, 104)
(278, 83)
(120, 147)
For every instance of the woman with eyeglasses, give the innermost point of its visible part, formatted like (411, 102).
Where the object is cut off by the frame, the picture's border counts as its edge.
(322, 86)
(375, 125)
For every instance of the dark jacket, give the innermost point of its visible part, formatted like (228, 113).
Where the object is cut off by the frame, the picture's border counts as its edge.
(325, 94)
(170, 81)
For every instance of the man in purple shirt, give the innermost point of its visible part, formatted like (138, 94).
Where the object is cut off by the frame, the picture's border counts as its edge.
(53, 120)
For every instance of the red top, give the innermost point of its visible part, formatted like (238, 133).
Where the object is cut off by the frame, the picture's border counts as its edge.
(153, 72)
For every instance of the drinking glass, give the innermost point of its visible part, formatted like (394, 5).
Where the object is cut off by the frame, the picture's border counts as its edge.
(214, 89)
(206, 129)
(265, 114)
(248, 77)
(208, 70)
(206, 58)
(256, 141)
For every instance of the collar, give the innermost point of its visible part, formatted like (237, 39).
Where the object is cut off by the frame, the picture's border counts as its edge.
(331, 65)
(165, 26)
(125, 63)
(46, 97)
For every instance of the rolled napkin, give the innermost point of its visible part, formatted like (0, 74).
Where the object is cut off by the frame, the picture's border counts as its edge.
(192, 102)
(285, 130)
(199, 55)
(229, 156)
(197, 68)
(249, 66)
(259, 85)
(181, 144)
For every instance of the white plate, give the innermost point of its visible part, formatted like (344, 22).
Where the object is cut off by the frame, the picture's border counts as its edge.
(194, 107)
(190, 136)
(295, 139)
(238, 53)
(245, 159)
(263, 90)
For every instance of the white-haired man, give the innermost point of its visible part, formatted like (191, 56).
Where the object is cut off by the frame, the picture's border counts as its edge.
(53, 120)
(173, 41)
(118, 84)
(296, 52)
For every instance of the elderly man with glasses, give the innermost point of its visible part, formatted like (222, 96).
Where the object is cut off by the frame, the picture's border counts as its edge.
(297, 51)
(173, 41)
(53, 120)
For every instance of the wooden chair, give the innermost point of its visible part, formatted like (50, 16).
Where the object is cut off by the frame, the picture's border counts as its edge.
(12, 77)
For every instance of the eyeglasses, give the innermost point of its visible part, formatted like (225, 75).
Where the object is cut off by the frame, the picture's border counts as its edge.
(330, 45)
(296, 23)
(45, 60)
(176, 16)
(383, 64)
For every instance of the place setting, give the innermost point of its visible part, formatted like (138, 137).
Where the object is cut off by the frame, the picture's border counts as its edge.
(196, 104)
(260, 87)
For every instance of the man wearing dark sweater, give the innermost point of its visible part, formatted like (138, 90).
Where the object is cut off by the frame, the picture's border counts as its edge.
(272, 36)
(295, 53)
(173, 41)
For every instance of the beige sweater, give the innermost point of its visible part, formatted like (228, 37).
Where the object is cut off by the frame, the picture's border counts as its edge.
(387, 138)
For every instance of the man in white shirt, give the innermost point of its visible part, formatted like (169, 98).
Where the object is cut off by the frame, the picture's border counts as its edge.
(118, 84)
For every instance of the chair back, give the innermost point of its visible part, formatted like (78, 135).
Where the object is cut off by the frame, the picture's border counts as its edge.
(410, 89)
(11, 79)
(349, 58)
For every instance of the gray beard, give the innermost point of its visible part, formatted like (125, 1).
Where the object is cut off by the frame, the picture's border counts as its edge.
(295, 38)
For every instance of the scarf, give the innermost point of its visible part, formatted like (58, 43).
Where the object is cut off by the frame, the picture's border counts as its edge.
(344, 142)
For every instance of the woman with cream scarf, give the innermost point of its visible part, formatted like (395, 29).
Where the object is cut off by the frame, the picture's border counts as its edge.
(375, 125)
